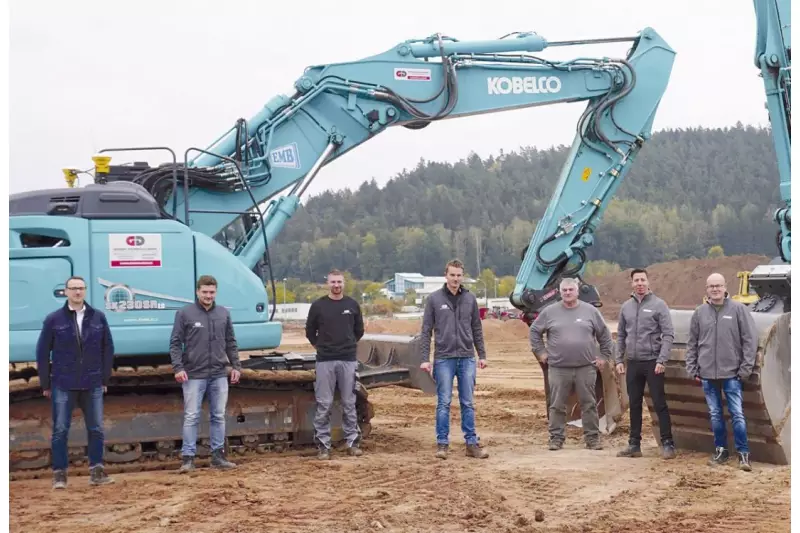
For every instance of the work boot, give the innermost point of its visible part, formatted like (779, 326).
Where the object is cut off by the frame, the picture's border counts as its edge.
(218, 461)
(555, 444)
(720, 456)
(187, 465)
(355, 451)
(668, 450)
(744, 461)
(473, 450)
(441, 451)
(97, 476)
(594, 444)
(633, 450)
(324, 454)
(59, 479)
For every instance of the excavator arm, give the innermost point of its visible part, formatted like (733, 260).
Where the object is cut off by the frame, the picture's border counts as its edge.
(337, 107)
(773, 59)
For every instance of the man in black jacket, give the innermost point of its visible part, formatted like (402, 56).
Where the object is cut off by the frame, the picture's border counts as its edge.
(334, 326)
(79, 340)
(201, 346)
(452, 315)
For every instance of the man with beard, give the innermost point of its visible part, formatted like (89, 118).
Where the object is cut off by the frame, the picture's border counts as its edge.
(334, 326)
(202, 344)
(645, 336)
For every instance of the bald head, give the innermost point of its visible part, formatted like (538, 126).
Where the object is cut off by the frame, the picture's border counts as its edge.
(715, 288)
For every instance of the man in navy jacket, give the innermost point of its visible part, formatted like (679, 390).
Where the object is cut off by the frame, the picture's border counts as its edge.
(79, 340)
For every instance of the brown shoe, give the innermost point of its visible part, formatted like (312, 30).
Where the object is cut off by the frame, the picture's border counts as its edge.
(355, 451)
(473, 450)
(441, 451)
(594, 444)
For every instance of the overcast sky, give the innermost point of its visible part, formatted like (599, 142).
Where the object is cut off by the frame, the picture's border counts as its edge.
(86, 75)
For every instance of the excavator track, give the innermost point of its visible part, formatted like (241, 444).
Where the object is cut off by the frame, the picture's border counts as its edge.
(271, 409)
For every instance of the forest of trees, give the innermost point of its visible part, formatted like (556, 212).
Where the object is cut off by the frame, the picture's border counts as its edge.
(688, 190)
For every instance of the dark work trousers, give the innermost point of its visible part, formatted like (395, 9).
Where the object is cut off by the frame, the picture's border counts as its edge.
(639, 374)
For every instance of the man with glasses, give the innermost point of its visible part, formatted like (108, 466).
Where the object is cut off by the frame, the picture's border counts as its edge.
(74, 357)
(720, 355)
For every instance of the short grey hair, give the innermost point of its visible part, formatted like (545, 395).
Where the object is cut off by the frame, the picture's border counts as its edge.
(568, 282)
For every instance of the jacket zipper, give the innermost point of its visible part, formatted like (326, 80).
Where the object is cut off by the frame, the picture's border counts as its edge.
(458, 316)
(636, 329)
(716, 323)
(79, 341)
(210, 324)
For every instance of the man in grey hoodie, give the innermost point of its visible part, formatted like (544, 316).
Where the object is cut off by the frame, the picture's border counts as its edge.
(645, 336)
(201, 346)
(720, 355)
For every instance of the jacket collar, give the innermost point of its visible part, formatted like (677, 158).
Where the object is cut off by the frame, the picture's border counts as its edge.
(648, 293)
(461, 289)
(724, 300)
(200, 306)
(88, 310)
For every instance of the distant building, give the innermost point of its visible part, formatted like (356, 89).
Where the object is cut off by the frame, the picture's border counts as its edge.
(396, 287)
(291, 311)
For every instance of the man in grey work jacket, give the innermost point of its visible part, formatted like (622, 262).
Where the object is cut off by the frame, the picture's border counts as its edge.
(720, 354)
(573, 329)
(201, 346)
(645, 336)
(452, 314)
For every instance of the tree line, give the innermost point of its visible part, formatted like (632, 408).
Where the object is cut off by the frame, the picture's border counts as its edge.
(688, 190)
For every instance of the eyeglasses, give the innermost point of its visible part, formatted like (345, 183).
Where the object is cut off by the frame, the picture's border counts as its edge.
(76, 288)
(714, 286)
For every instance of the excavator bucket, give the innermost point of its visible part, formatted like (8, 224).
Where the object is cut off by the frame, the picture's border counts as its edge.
(392, 360)
(611, 395)
(766, 395)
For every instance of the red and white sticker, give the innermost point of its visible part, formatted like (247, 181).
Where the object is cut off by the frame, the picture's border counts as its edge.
(412, 74)
(134, 250)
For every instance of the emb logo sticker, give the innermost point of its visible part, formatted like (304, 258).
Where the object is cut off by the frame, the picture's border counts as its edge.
(285, 156)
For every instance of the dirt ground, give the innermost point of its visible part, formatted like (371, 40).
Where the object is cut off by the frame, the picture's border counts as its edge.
(398, 486)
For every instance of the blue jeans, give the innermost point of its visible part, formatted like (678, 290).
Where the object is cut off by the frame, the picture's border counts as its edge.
(91, 404)
(194, 391)
(444, 370)
(732, 387)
